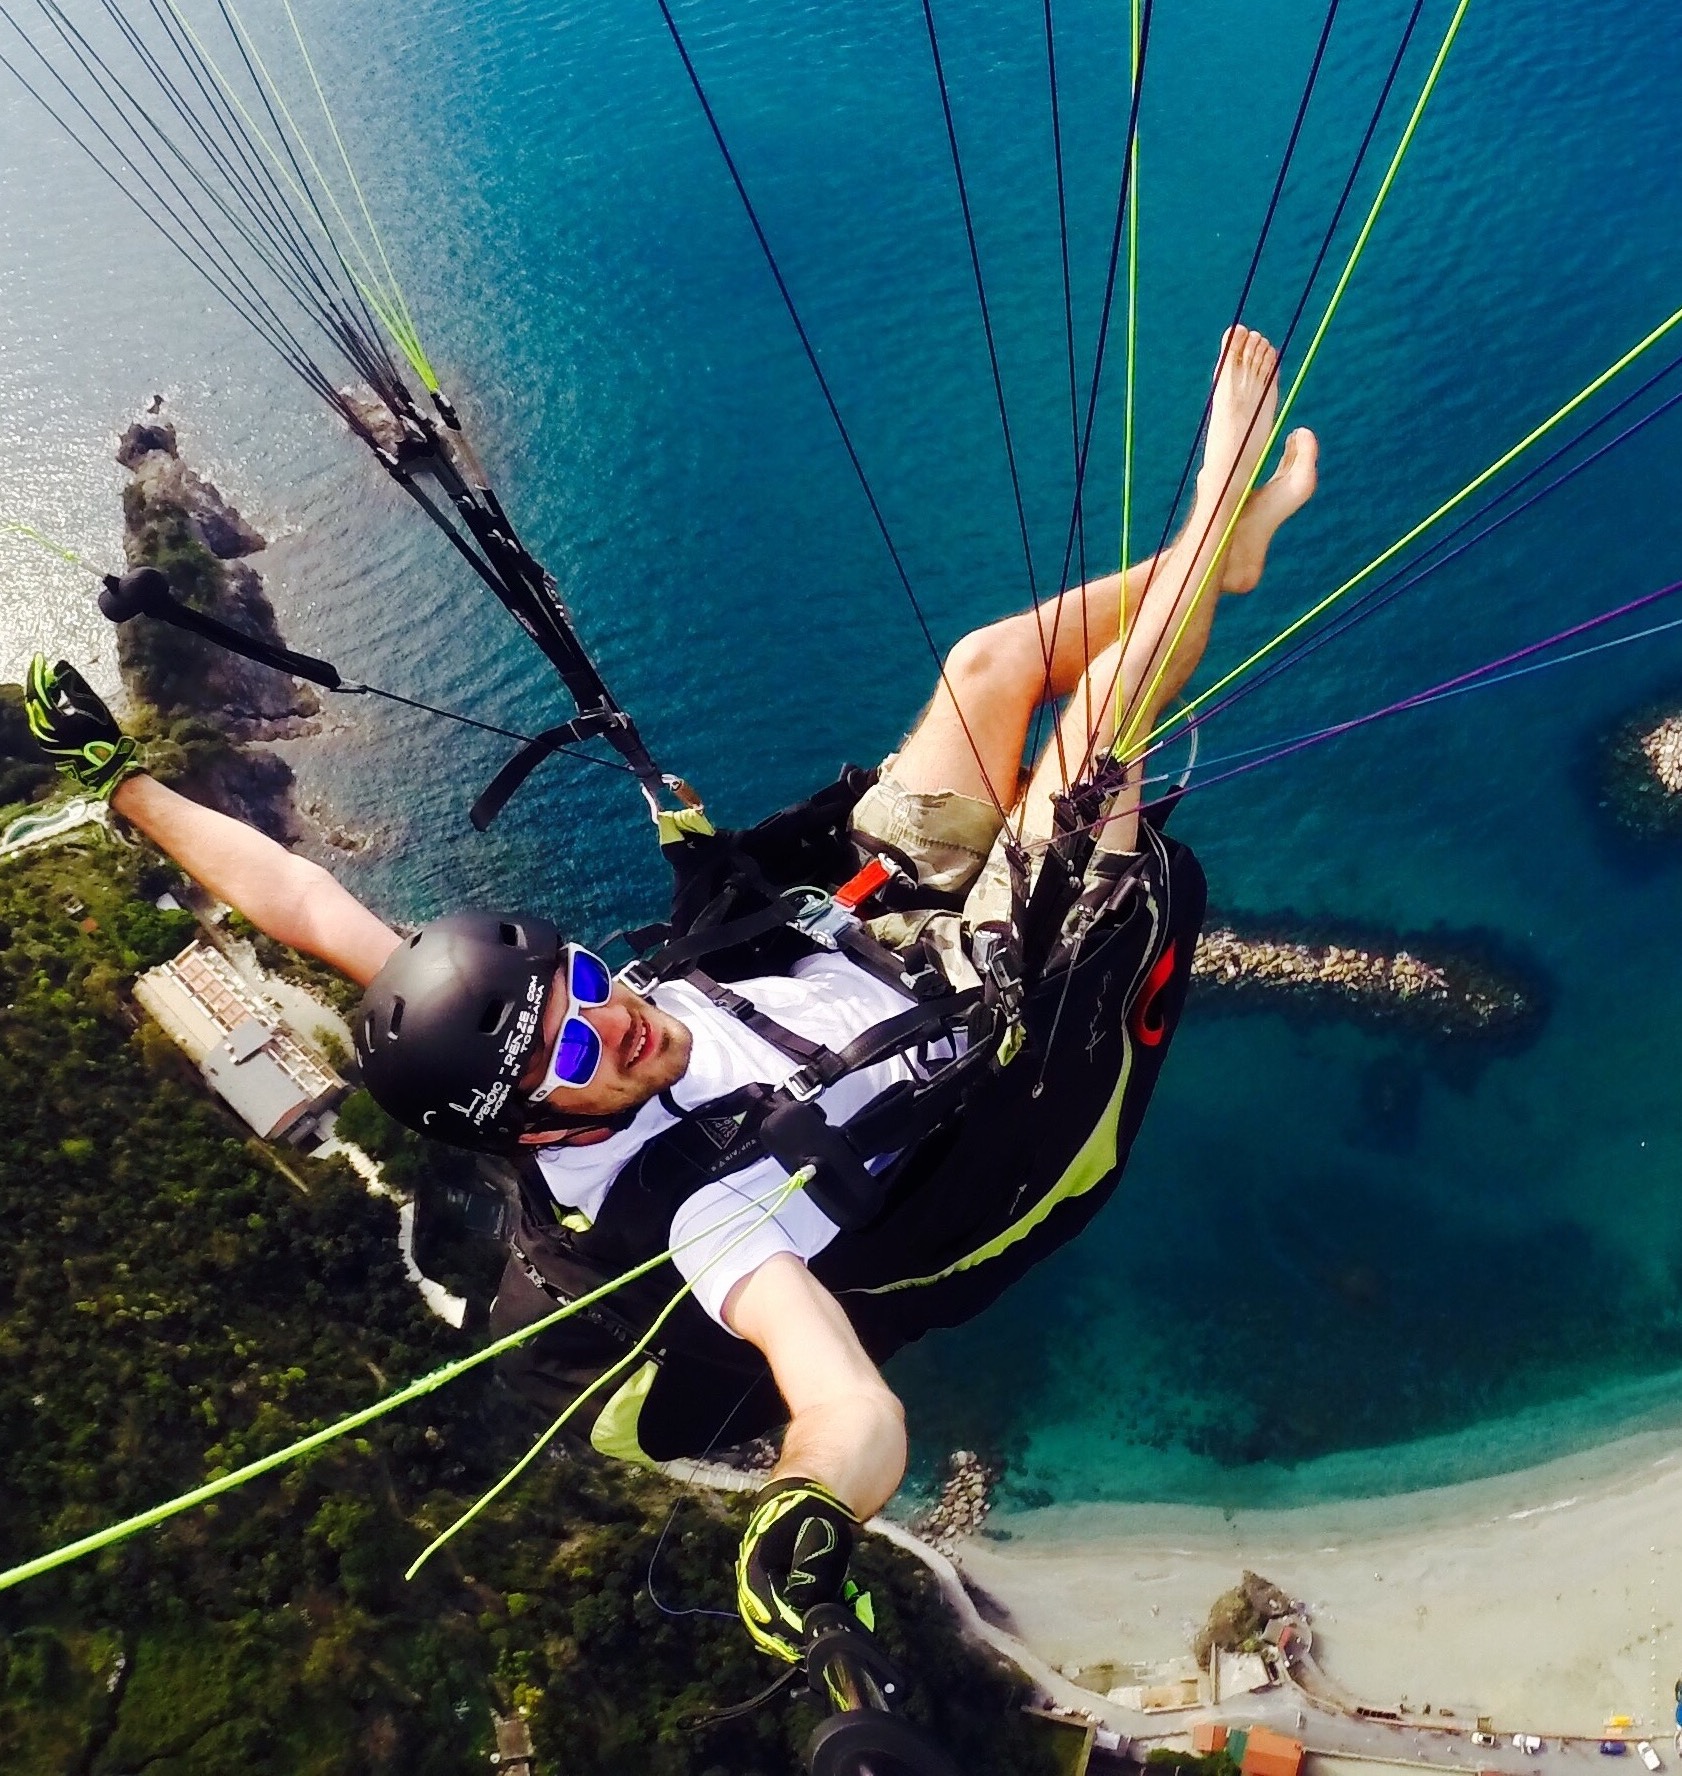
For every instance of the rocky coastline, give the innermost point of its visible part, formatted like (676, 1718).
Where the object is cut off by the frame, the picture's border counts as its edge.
(206, 715)
(1442, 985)
(1641, 772)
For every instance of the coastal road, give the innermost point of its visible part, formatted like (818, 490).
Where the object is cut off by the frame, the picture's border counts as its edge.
(1302, 1709)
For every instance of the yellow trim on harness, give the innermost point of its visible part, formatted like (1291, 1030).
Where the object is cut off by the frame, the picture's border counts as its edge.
(1089, 1167)
(614, 1433)
(671, 825)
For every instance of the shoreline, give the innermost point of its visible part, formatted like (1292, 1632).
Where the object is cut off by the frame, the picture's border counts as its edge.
(1547, 1598)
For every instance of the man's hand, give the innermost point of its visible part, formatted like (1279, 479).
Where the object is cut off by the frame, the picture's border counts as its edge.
(793, 1556)
(74, 728)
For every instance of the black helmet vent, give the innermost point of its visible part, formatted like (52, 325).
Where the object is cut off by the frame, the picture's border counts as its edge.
(510, 935)
(394, 1023)
(491, 1018)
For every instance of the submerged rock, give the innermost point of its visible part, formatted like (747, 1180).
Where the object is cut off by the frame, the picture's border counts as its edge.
(1641, 772)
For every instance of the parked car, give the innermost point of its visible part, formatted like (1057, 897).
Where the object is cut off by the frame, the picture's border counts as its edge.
(1648, 1756)
(1482, 1738)
(1613, 1747)
(1526, 1742)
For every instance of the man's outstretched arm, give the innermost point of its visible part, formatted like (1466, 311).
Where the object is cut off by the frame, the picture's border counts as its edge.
(843, 1453)
(846, 1427)
(295, 901)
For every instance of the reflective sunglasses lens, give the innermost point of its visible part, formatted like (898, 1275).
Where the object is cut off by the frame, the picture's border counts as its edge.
(577, 1055)
(588, 981)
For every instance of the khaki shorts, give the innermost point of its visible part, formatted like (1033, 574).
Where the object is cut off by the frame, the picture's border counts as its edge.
(956, 845)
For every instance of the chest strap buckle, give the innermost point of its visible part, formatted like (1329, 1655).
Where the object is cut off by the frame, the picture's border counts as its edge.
(802, 1085)
(639, 978)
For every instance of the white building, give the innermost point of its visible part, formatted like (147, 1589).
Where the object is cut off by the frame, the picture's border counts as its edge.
(235, 1036)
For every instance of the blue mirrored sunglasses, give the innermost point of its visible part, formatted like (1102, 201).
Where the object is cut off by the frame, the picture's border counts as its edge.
(578, 1049)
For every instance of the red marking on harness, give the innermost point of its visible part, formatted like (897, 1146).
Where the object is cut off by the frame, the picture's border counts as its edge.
(875, 874)
(1149, 1025)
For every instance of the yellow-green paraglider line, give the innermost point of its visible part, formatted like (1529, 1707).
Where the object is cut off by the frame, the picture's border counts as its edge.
(1132, 368)
(1505, 460)
(355, 183)
(782, 1193)
(17, 527)
(1125, 741)
(385, 308)
(391, 308)
(426, 1384)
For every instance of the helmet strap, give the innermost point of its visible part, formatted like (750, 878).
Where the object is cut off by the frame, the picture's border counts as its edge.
(545, 1120)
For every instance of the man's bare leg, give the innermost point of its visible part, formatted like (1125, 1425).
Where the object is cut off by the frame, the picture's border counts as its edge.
(1166, 639)
(1287, 490)
(971, 737)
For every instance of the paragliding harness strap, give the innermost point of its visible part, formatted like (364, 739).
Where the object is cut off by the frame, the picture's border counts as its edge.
(786, 1122)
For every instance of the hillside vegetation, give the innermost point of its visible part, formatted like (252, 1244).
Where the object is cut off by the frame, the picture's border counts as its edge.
(175, 1299)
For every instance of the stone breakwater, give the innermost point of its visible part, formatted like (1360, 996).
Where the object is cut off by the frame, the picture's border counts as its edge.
(1641, 772)
(1440, 991)
(965, 1499)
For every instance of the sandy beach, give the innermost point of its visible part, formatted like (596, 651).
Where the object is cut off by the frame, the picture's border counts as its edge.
(1548, 1598)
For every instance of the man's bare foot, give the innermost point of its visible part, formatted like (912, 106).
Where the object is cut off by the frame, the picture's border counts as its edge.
(1288, 489)
(1240, 423)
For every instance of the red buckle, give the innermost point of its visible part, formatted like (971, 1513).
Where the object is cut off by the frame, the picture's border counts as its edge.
(852, 894)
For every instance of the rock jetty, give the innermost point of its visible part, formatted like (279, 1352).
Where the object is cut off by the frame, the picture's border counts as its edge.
(1437, 987)
(965, 1499)
(204, 713)
(1641, 772)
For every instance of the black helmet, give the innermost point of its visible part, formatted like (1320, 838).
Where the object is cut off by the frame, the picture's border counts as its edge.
(450, 1023)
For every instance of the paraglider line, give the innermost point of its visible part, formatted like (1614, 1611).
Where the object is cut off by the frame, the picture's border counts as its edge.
(824, 388)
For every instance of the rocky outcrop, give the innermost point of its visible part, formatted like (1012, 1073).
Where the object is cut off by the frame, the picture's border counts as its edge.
(148, 450)
(1437, 987)
(1661, 747)
(205, 711)
(1238, 1618)
(1641, 773)
(146, 437)
(362, 405)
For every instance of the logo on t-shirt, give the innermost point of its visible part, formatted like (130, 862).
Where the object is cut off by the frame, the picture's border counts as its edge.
(721, 1130)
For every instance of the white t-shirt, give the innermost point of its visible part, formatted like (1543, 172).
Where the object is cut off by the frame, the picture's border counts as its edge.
(728, 1228)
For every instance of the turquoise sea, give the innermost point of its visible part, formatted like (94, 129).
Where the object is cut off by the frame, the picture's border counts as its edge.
(1288, 1299)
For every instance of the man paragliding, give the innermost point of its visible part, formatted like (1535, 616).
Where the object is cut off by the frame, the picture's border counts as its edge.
(846, 1113)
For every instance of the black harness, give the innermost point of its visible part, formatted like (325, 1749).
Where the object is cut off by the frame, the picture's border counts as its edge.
(734, 918)
(787, 1123)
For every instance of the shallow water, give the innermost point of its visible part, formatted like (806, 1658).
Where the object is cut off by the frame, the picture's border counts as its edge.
(1290, 1294)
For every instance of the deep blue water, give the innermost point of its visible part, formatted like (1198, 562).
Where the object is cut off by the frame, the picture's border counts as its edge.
(1276, 1302)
